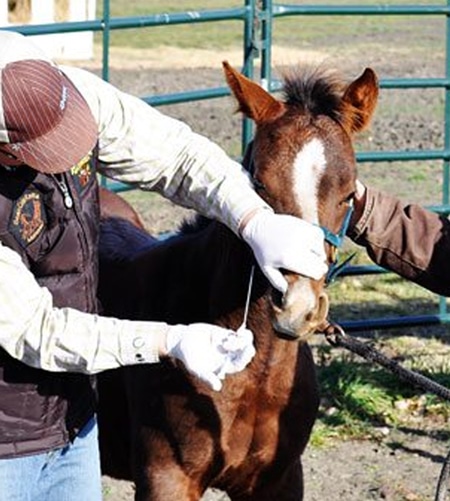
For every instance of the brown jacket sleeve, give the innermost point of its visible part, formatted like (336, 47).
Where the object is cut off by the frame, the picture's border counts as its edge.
(406, 239)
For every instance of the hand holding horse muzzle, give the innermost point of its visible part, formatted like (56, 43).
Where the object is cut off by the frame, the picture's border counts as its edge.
(283, 242)
(291, 253)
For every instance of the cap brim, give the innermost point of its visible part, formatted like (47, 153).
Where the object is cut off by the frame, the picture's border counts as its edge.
(66, 144)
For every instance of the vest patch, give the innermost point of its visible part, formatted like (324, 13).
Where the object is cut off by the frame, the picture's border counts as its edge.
(27, 218)
(82, 173)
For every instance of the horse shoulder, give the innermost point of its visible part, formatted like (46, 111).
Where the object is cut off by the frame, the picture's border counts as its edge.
(113, 205)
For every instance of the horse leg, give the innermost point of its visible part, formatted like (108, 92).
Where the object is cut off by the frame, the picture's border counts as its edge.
(168, 484)
(158, 473)
(288, 488)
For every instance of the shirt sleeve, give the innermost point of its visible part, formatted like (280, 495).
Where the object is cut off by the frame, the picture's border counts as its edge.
(141, 146)
(407, 239)
(33, 331)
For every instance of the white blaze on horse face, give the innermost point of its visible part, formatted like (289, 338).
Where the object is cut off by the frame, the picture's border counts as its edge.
(309, 166)
(301, 310)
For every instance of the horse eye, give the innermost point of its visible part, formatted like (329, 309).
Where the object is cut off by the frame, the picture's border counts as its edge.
(349, 200)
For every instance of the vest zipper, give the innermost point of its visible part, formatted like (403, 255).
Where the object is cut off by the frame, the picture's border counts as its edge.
(69, 203)
(61, 183)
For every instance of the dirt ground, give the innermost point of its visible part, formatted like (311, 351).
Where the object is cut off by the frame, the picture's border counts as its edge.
(404, 465)
(401, 465)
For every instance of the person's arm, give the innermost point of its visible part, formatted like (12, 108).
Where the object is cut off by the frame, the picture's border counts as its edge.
(35, 332)
(141, 146)
(405, 238)
(63, 339)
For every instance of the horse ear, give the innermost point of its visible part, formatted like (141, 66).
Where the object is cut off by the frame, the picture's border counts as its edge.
(254, 101)
(359, 101)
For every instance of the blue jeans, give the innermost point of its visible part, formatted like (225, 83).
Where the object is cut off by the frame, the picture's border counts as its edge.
(68, 474)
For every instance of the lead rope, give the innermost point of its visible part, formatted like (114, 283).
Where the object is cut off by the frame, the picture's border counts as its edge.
(443, 481)
(336, 336)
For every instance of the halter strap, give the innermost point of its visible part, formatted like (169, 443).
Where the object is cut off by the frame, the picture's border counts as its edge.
(335, 239)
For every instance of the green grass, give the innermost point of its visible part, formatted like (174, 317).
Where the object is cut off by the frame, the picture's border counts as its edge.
(353, 298)
(298, 30)
(198, 35)
(360, 400)
(350, 33)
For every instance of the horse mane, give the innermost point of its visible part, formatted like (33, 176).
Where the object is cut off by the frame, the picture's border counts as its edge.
(314, 90)
(122, 241)
(194, 225)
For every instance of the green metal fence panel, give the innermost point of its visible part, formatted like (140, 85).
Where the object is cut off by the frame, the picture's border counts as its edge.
(257, 18)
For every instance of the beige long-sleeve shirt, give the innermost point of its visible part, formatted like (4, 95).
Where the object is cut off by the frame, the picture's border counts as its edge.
(141, 146)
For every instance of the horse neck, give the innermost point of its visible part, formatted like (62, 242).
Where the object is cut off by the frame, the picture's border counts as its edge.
(230, 282)
(216, 267)
(276, 358)
(232, 259)
(224, 263)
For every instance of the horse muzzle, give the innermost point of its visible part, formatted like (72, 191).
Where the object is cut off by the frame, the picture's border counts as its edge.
(303, 308)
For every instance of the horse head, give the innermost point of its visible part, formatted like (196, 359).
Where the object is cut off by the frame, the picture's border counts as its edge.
(303, 164)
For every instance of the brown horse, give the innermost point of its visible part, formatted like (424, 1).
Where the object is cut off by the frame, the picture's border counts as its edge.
(164, 428)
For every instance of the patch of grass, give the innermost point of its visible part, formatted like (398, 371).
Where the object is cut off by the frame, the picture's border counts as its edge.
(361, 400)
(376, 295)
(339, 33)
(400, 179)
(106, 491)
(298, 30)
(196, 35)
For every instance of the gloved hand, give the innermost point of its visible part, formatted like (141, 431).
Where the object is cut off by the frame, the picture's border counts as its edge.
(283, 241)
(210, 352)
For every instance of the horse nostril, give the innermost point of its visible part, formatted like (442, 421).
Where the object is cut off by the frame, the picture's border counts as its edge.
(310, 316)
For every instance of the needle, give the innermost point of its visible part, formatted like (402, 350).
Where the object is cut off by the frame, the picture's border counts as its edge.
(247, 301)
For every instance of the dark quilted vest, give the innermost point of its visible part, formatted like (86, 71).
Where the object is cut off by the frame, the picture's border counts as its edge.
(40, 410)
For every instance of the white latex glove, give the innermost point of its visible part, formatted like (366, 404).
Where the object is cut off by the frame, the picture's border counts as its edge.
(288, 242)
(241, 356)
(210, 352)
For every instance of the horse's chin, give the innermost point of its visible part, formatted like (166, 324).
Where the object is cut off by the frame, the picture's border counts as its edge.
(303, 309)
(301, 335)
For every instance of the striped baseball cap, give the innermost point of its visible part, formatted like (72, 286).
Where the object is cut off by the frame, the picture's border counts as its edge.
(45, 123)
